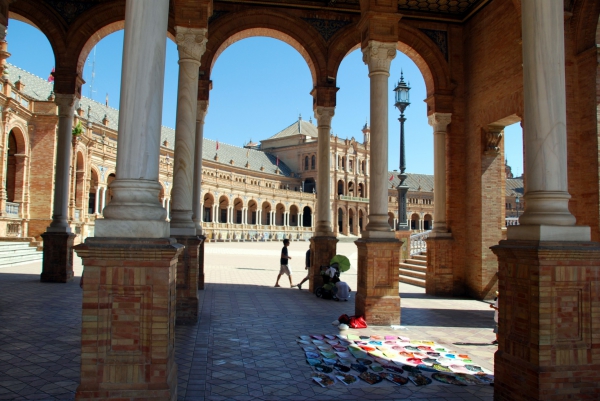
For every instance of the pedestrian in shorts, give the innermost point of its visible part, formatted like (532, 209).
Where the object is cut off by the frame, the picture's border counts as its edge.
(284, 267)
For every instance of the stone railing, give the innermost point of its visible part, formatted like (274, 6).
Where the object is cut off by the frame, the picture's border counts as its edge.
(243, 232)
(417, 242)
(353, 198)
(13, 229)
(12, 209)
(77, 214)
(511, 221)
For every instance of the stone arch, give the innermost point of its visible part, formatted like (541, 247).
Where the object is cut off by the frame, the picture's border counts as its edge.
(252, 212)
(351, 221)
(18, 128)
(279, 214)
(341, 187)
(238, 206)
(80, 167)
(93, 190)
(415, 221)
(361, 190)
(223, 207)
(266, 213)
(294, 216)
(351, 188)
(427, 222)
(391, 221)
(208, 201)
(340, 221)
(361, 219)
(297, 33)
(414, 44)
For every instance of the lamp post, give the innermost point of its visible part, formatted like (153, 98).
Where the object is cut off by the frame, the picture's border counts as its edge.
(402, 102)
(517, 201)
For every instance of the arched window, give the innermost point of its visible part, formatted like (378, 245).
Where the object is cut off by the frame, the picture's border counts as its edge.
(313, 162)
(305, 162)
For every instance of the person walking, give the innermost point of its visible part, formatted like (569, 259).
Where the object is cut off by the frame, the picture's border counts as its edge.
(307, 268)
(495, 308)
(284, 264)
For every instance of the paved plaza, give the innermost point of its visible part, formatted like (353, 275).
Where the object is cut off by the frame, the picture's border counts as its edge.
(244, 347)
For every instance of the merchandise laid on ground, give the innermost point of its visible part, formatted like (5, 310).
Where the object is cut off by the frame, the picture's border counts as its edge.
(358, 360)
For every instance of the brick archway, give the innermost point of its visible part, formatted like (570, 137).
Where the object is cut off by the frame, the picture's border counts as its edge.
(234, 27)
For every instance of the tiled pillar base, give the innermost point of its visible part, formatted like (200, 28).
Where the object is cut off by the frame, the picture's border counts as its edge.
(201, 262)
(440, 275)
(404, 237)
(127, 333)
(57, 265)
(377, 297)
(549, 302)
(322, 249)
(187, 279)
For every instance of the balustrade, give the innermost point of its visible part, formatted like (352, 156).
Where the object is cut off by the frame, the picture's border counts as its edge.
(12, 209)
(418, 243)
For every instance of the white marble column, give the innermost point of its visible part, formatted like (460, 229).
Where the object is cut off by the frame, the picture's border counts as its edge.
(378, 56)
(259, 217)
(191, 44)
(439, 122)
(66, 105)
(324, 224)
(135, 210)
(300, 220)
(197, 213)
(546, 216)
(103, 201)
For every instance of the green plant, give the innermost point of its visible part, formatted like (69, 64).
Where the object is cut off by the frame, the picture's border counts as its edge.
(77, 130)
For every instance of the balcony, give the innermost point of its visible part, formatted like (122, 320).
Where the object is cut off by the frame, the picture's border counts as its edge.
(12, 209)
(353, 198)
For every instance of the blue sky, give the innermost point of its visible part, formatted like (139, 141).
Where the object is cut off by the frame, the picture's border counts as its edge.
(260, 86)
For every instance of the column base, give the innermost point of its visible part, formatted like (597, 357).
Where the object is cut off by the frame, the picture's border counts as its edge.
(187, 280)
(548, 324)
(322, 249)
(127, 334)
(549, 233)
(109, 228)
(57, 264)
(439, 280)
(404, 237)
(201, 262)
(377, 297)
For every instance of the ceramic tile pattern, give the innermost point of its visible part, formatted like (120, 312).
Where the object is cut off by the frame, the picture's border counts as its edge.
(244, 347)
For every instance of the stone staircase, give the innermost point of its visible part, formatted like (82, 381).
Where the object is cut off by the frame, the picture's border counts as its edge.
(413, 271)
(18, 251)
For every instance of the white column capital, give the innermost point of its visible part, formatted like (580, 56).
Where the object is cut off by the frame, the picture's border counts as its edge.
(201, 110)
(324, 115)
(378, 56)
(439, 121)
(66, 104)
(191, 43)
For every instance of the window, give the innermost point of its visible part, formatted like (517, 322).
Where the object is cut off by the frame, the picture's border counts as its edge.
(305, 162)
(313, 162)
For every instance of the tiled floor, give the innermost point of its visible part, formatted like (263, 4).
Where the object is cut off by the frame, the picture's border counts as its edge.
(244, 347)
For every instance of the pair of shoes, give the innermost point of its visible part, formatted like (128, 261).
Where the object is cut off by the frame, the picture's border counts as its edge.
(299, 286)
(277, 285)
(495, 342)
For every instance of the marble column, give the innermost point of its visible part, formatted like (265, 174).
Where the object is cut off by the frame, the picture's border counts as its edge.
(546, 215)
(439, 122)
(191, 44)
(97, 201)
(378, 56)
(324, 223)
(57, 264)
(103, 201)
(135, 211)
(201, 109)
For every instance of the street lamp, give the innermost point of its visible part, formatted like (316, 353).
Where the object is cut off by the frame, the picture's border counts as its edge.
(517, 201)
(402, 102)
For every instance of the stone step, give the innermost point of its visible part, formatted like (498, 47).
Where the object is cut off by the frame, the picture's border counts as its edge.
(6, 253)
(410, 266)
(419, 257)
(413, 281)
(13, 260)
(412, 273)
(13, 245)
(418, 262)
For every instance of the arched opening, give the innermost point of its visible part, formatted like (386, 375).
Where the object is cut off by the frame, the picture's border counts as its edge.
(310, 185)
(79, 185)
(305, 162)
(351, 188)
(340, 187)
(306, 217)
(280, 214)
(208, 204)
(19, 36)
(223, 215)
(361, 190)
(109, 192)
(351, 221)
(266, 214)
(361, 215)
(252, 212)
(415, 222)
(92, 195)
(340, 221)
(238, 206)
(427, 222)
(11, 167)
(294, 216)
(313, 162)
(391, 221)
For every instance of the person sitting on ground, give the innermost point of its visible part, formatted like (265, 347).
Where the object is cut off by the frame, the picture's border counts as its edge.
(284, 267)
(307, 268)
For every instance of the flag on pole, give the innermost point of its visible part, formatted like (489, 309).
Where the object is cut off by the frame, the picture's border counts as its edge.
(51, 76)
(217, 145)
(391, 177)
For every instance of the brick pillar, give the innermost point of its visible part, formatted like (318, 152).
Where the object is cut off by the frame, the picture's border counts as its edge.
(377, 297)
(440, 270)
(127, 335)
(201, 262)
(404, 237)
(549, 304)
(322, 249)
(57, 264)
(187, 279)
